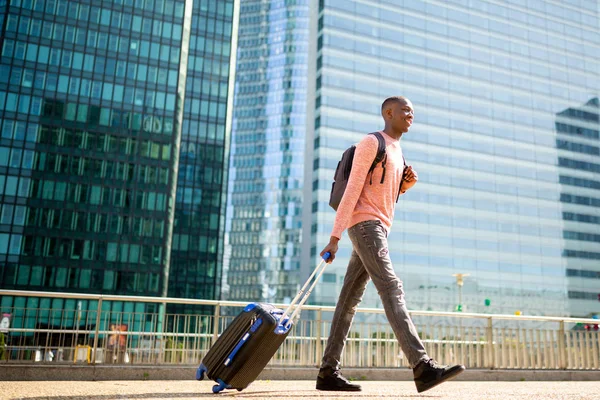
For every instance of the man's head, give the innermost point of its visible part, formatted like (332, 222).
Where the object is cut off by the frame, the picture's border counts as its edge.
(398, 113)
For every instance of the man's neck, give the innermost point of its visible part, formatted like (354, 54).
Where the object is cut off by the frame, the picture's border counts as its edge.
(392, 133)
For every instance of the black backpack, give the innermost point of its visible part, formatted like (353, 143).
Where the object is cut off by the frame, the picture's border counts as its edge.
(342, 172)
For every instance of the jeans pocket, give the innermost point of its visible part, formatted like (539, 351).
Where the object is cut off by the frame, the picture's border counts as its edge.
(373, 235)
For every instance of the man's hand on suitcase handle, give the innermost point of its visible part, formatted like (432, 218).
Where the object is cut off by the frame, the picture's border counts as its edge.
(331, 248)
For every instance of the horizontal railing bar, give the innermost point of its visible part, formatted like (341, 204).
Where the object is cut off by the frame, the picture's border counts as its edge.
(209, 335)
(223, 303)
(124, 333)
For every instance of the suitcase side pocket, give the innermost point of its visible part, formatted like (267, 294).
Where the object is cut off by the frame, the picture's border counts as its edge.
(243, 341)
(224, 345)
(256, 356)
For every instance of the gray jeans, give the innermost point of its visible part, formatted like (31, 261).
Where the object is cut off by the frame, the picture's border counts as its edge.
(370, 260)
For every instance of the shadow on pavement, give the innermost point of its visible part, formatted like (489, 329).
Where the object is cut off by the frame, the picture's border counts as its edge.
(300, 394)
(121, 396)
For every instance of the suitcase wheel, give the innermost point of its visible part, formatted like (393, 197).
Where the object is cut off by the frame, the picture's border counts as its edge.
(200, 372)
(221, 385)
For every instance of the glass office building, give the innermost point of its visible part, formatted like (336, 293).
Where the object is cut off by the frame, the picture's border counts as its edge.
(505, 143)
(267, 153)
(93, 119)
(580, 227)
(198, 230)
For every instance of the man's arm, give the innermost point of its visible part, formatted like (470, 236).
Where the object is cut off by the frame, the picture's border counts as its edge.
(364, 156)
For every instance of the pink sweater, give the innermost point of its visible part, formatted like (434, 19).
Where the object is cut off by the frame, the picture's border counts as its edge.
(363, 201)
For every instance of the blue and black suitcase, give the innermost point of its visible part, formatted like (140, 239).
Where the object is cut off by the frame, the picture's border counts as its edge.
(250, 341)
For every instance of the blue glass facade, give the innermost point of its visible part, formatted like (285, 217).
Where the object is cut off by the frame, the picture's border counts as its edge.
(267, 154)
(96, 100)
(505, 142)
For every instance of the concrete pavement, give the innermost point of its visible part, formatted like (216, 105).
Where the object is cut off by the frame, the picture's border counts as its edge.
(295, 390)
(70, 372)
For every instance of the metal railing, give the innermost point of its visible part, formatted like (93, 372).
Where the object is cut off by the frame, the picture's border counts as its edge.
(103, 336)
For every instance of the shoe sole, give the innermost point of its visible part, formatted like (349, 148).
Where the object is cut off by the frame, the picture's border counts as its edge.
(446, 378)
(339, 389)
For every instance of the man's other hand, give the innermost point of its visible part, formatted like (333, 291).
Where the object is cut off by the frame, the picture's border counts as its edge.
(410, 178)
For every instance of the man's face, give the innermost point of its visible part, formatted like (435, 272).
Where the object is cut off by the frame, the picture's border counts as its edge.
(402, 116)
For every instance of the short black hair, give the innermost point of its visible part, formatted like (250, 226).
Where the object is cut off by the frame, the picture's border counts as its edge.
(393, 99)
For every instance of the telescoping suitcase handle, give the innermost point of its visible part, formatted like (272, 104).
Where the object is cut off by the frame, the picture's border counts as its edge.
(303, 294)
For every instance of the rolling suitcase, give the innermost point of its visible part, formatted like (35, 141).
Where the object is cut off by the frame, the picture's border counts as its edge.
(250, 341)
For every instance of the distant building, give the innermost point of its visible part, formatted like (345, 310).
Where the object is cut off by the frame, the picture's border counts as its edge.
(265, 203)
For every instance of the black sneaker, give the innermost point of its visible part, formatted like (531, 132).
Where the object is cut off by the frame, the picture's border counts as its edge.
(330, 379)
(429, 374)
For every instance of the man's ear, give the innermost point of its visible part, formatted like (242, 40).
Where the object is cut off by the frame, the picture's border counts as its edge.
(386, 113)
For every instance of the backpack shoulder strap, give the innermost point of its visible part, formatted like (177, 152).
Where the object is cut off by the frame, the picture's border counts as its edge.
(380, 157)
(380, 150)
(402, 179)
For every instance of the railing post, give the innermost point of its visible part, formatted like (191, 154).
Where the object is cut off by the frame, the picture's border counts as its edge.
(562, 349)
(490, 340)
(318, 348)
(97, 331)
(216, 323)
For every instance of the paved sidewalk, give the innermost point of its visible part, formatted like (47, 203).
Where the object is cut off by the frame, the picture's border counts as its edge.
(90, 373)
(295, 390)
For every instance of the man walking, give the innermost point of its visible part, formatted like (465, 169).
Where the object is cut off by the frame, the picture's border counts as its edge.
(367, 210)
